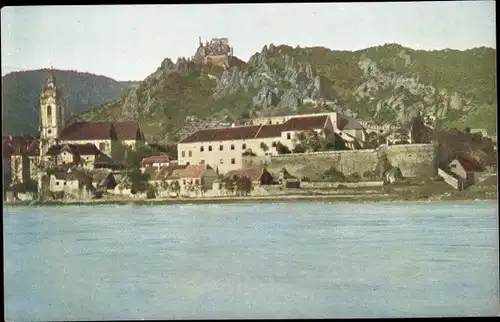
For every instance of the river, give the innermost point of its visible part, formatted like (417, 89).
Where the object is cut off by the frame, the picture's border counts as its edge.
(296, 260)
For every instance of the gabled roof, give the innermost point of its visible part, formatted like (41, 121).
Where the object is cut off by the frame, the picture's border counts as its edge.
(75, 149)
(99, 176)
(128, 130)
(89, 131)
(104, 159)
(351, 124)
(155, 159)
(299, 123)
(253, 173)
(469, 163)
(60, 174)
(192, 171)
(269, 131)
(160, 173)
(223, 134)
(305, 123)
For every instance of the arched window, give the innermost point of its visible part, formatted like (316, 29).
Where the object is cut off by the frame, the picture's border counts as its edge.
(49, 113)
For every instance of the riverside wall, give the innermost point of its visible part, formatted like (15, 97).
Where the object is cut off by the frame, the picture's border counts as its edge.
(412, 159)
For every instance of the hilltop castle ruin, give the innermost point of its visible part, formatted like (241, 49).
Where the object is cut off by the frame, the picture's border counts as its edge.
(217, 51)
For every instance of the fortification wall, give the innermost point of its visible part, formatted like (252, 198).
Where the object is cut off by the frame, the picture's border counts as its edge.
(412, 159)
(313, 165)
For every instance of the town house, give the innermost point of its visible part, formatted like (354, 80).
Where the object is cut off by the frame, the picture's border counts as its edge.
(224, 148)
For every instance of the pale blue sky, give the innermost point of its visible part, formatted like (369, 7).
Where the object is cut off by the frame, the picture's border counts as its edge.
(130, 42)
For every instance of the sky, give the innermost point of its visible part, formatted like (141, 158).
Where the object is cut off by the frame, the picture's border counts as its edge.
(129, 42)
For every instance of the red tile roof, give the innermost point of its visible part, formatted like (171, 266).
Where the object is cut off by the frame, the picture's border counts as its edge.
(161, 173)
(223, 134)
(128, 130)
(155, 159)
(254, 173)
(269, 131)
(89, 131)
(195, 171)
(305, 123)
(469, 163)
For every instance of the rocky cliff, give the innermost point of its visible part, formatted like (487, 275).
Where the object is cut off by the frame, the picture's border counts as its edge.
(385, 85)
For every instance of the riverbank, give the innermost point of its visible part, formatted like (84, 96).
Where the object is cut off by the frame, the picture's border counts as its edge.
(326, 198)
(426, 192)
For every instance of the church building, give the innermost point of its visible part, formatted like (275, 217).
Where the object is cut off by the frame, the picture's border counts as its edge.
(83, 144)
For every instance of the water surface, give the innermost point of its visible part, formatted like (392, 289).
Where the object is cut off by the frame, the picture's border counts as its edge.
(311, 260)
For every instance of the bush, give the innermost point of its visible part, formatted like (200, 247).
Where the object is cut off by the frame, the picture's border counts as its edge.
(298, 149)
(354, 177)
(333, 175)
(372, 175)
(151, 194)
(282, 149)
(248, 153)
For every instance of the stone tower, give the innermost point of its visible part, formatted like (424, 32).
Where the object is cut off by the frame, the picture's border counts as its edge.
(51, 114)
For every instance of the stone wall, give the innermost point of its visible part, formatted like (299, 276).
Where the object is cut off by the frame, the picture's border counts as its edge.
(412, 159)
(313, 165)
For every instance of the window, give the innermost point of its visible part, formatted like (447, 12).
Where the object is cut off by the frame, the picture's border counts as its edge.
(209, 148)
(232, 146)
(221, 147)
(221, 161)
(184, 182)
(274, 144)
(202, 161)
(288, 136)
(187, 163)
(57, 183)
(201, 148)
(233, 160)
(197, 181)
(183, 153)
(244, 146)
(102, 146)
(49, 114)
(64, 182)
(189, 153)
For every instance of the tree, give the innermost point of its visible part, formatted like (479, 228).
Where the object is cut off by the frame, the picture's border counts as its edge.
(125, 183)
(245, 185)
(176, 187)
(282, 149)
(248, 152)
(229, 184)
(264, 147)
(164, 185)
(309, 141)
(201, 186)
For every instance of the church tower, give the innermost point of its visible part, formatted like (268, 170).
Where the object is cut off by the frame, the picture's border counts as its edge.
(52, 118)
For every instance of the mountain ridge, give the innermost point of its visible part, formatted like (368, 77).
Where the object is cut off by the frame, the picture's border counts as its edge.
(81, 91)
